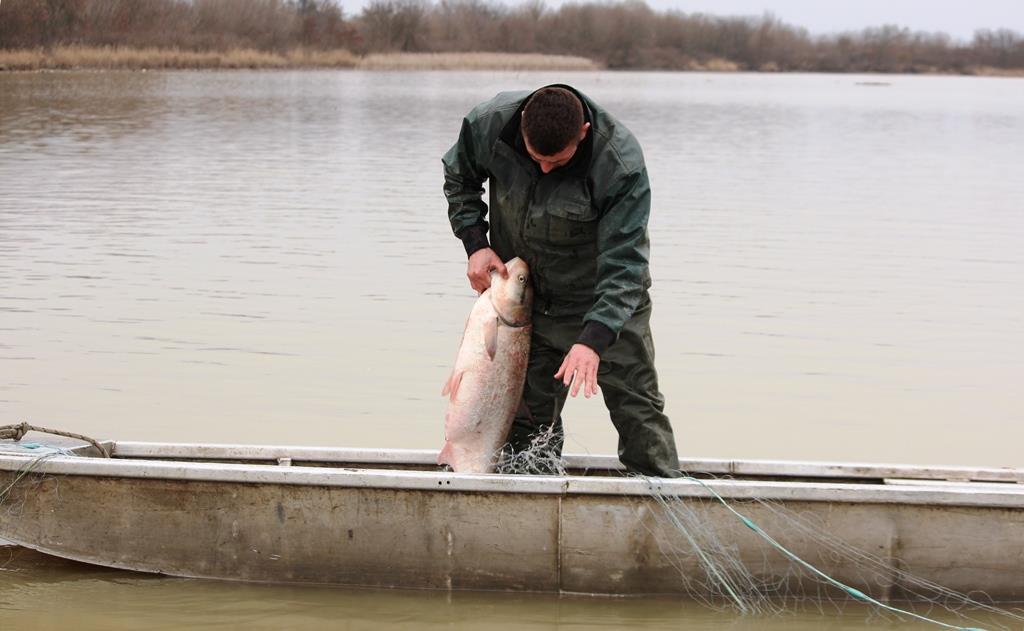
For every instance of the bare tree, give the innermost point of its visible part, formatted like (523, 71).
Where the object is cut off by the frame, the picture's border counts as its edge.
(394, 25)
(621, 34)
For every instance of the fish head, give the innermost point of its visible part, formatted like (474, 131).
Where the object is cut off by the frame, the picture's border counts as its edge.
(512, 297)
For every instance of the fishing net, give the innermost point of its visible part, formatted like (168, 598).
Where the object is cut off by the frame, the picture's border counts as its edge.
(24, 479)
(707, 558)
(541, 457)
(738, 555)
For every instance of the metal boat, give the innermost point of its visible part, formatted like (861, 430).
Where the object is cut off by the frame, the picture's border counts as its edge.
(393, 518)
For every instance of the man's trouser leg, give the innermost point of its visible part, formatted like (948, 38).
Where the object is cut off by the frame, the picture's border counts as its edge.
(543, 396)
(629, 383)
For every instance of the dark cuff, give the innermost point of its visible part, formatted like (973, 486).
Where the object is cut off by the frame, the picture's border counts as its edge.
(597, 336)
(474, 238)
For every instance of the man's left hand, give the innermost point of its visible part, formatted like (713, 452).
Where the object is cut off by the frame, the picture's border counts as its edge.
(580, 368)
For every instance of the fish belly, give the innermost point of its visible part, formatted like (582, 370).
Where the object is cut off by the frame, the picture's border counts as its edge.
(486, 393)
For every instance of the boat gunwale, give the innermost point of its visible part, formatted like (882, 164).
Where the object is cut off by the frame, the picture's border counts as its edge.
(939, 494)
(712, 466)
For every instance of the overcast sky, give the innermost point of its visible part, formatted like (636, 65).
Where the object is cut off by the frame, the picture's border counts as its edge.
(958, 18)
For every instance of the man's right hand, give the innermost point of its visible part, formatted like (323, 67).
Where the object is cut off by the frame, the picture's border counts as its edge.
(481, 264)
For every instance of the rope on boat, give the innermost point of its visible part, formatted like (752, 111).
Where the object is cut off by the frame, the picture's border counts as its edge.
(18, 431)
(853, 592)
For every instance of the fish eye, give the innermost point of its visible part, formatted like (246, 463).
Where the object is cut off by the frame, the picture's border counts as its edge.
(522, 279)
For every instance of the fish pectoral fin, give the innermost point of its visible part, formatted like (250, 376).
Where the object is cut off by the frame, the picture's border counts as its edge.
(446, 455)
(491, 338)
(451, 388)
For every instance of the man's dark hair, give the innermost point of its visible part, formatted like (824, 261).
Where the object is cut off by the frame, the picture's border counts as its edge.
(552, 119)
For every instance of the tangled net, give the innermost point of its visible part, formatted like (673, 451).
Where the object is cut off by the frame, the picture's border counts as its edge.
(541, 456)
(25, 479)
(699, 537)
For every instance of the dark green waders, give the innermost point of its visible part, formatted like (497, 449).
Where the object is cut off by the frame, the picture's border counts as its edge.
(629, 384)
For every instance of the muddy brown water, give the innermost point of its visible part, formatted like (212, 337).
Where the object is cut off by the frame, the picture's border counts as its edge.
(263, 257)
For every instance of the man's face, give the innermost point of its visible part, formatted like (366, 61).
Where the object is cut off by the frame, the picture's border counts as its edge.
(548, 164)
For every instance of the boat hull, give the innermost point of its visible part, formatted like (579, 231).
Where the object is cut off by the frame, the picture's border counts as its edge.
(356, 526)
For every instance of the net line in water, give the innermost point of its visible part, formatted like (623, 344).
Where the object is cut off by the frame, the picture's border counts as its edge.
(728, 581)
(725, 582)
(888, 571)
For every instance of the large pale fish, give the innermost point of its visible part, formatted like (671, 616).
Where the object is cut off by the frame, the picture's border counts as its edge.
(485, 387)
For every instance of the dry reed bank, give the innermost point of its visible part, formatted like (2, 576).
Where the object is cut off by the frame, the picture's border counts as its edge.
(616, 35)
(474, 61)
(110, 58)
(124, 58)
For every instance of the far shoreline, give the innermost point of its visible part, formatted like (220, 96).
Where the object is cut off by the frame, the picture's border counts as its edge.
(73, 58)
(85, 58)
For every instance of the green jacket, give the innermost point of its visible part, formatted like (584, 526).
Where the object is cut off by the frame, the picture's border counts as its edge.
(581, 228)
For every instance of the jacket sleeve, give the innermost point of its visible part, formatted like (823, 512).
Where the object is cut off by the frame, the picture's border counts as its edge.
(623, 254)
(464, 175)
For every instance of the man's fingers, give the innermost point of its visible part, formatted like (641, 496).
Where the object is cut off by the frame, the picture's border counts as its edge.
(588, 385)
(579, 370)
(561, 369)
(481, 264)
(577, 380)
(479, 283)
(499, 267)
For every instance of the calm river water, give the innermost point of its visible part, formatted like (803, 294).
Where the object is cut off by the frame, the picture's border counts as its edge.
(264, 257)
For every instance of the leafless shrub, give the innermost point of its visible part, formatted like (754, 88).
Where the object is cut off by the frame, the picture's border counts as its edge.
(198, 25)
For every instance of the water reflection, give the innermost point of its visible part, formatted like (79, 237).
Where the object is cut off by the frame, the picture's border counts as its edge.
(97, 598)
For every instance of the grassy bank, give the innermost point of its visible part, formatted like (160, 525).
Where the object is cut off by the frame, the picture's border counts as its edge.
(989, 71)
(128, 58)
(124, 58)
(474, 61)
